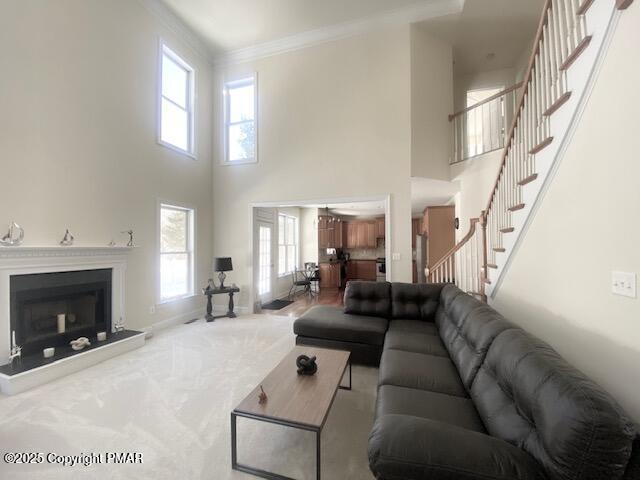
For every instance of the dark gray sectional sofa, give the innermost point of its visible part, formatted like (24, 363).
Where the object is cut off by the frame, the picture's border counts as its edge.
(465, 394)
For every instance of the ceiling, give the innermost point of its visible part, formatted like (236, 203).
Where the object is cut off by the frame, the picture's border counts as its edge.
(504, 28)
(227, 25)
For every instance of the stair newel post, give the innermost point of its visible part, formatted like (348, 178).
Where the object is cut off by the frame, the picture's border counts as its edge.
(483, 269)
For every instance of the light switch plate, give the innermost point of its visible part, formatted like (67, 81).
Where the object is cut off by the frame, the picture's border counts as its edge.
(623, 283)
(395, 256)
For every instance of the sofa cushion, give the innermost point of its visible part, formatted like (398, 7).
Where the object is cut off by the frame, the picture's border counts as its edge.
(425, 404)
(414, 326)
(332, 323)
(415, 301)
(368, 298)
(415, 342)
(405, 447)
(467, 327)
(417, 370)
(529, 396)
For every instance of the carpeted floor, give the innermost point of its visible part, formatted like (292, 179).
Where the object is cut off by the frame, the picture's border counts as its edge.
(170, 401)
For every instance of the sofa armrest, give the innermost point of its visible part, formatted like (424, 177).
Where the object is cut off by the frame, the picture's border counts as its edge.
(406, 447)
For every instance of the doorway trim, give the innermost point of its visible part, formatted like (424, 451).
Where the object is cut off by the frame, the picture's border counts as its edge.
(385, 198)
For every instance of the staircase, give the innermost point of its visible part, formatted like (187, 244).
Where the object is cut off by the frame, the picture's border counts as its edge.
(570, 43)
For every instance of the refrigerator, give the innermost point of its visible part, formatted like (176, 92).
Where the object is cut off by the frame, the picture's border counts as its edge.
(420, 257)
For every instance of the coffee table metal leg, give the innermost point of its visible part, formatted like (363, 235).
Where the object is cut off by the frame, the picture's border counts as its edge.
(318, 458)
(349, 387)
(234, 445)
(263, 473)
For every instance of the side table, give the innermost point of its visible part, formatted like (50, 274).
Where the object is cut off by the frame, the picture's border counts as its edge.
(209, 292)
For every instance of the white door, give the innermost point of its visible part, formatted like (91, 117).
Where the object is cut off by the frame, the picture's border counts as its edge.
(264, 280)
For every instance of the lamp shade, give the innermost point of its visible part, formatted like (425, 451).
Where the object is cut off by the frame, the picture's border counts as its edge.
(222, 264)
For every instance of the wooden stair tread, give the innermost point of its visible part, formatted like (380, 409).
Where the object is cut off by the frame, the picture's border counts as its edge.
(623, 4)
(507, 230)
(541, 146)
(529, 179)
(584, 7)
(515, 208)
(573, 56)
(557, 104)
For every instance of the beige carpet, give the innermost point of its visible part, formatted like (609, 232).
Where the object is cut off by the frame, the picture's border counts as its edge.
(170, 401)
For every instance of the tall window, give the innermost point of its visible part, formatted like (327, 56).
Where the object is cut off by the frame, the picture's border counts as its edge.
(177, 85)
(287, 244)
(240, 121)
(176, 252)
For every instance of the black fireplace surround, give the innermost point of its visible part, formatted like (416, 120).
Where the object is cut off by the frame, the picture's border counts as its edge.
(37, 300)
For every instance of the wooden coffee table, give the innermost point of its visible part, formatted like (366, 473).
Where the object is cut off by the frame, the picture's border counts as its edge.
(295, 401)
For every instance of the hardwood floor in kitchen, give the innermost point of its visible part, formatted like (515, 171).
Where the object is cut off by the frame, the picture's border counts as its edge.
(302, 303)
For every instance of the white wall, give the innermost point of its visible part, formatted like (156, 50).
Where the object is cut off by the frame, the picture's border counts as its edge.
(431, 104)
(78, 135)
(476, 177)
(308, 235)
(558, 286)
(334, 123)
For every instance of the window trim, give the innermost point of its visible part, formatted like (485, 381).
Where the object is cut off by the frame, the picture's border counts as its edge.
(236, 82)
(191, 241)
(191, 103)
(297, 242)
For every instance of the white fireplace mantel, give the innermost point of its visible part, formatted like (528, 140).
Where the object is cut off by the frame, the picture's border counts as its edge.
(60, 251)
(22, 260)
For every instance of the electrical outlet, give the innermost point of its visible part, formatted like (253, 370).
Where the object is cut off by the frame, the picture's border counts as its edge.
(152, 309)
(623, 283)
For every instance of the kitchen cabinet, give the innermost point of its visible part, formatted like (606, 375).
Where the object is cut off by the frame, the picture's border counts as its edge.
(361, 229)
(323, 238)
(360, 234)
(330, 232)
(361, 270)
(372, 239)
(380, 231)
(338, 235)
(351, 235)
(416, 229)
(330, 275)
(439, 228)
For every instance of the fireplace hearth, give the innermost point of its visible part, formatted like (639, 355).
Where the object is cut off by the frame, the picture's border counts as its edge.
(51, 309)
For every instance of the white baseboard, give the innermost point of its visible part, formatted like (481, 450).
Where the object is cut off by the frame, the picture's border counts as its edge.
(172, 321)
(237, 309)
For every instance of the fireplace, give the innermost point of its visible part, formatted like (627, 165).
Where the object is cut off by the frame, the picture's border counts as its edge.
(82, 297)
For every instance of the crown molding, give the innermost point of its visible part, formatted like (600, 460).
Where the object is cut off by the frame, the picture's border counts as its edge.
(170, 20)
(411, 14)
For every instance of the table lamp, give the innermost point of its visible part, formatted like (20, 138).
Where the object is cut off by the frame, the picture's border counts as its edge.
(221, 265)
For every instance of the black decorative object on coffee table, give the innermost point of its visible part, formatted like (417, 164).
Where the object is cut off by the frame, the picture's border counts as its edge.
(306, 365)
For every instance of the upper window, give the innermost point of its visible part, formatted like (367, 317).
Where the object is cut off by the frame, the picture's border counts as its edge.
(176, 252)
(177, 84)
(287, 244)
(240, 121)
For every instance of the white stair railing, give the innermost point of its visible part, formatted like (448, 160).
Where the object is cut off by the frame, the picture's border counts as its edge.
(482, 128)
(560, 39)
